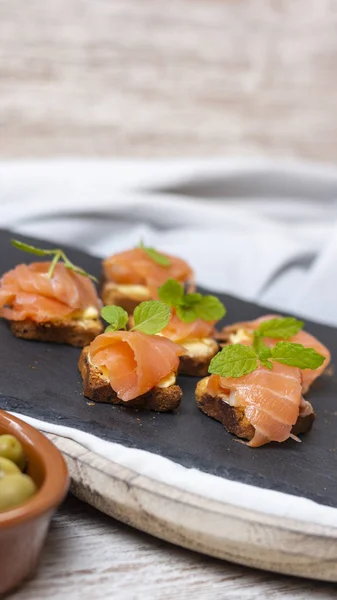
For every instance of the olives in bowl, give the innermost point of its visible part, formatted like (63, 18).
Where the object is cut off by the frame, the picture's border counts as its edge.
(15, 486)
(33, 482)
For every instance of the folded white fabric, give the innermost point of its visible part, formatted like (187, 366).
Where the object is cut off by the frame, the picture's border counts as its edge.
(264, 231)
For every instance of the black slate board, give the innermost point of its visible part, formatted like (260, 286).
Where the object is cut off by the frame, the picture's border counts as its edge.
(41, 380)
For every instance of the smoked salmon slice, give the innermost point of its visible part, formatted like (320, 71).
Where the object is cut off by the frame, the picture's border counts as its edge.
(27, 292)
(246, 330)
(178, 330)
(136, 267)
(133, 361)
(272, 400)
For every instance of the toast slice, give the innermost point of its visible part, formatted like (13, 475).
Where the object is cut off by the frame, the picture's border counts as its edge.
(97, 387)
(199, 354)
(233, 418)
(126, 296)
(74, 332)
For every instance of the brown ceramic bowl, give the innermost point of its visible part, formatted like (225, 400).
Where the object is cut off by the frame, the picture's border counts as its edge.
(23, 529)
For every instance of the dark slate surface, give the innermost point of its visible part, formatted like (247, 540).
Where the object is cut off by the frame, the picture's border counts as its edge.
(41, 380)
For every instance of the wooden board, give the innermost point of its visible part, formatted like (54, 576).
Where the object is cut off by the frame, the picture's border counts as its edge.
(213, 528)
(190, 439)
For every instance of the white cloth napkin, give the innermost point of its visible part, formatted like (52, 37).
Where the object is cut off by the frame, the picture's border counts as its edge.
(261, 230)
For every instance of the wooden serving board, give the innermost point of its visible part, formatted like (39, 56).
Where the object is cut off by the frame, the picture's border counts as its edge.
(221, 530)
(42, 381)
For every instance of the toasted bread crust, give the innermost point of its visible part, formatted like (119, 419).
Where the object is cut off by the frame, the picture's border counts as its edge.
(111, 295)
(98, 389)
(71, 332)
(233, 417)
(197, 366)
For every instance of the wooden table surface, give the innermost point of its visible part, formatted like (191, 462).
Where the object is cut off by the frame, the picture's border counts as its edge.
(92, 557)
(184, 77)
(181, 78)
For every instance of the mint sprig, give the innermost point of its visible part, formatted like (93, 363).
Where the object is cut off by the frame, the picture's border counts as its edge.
(236, 360)
(280, 328)
(149, 317)
(57, 254)
(116, 316)
(156, 256)
(190, 307)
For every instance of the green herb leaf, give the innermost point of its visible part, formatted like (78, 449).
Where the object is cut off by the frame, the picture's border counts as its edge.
(186, 314)
(31, 249)
(260, 347)
(156, 256)
(58, 255)
(191, 299)
(110, 328)
(151, 316)
(210, 308)
(171, 292)
(296, 355)
(116, 316)
(267, 363)
(190, 307)
(186, 307)
(280, 328)
(234, 360)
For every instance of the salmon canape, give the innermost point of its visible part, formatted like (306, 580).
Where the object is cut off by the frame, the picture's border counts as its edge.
(256, 391)
(50, 301)
(133, 276)
(262, 406)
(192, 325)
(273, 328)
(136, 368)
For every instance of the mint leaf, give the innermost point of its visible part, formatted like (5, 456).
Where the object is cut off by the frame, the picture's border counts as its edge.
(151, 316)
(267, 363)
(110, 328)
(234, 360)
(260, 348)
(210, 308)
(191, 299)
(31, 249)
(296, 355)
(280, 328)
(186, 314)
(156, 256)
(186, 307)
(171, 292)
(116, 316)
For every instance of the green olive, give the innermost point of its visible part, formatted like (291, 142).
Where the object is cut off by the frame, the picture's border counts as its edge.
(14, 490)
(7, 467)
(11, 448)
